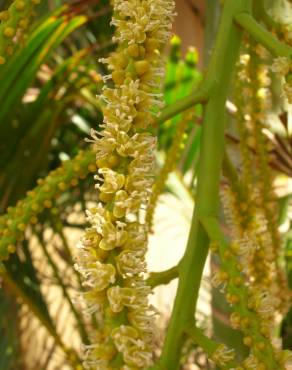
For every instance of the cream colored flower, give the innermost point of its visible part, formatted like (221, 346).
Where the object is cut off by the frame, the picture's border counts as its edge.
(222, 355)
(112, 181)
(99, 276)
(113, 236)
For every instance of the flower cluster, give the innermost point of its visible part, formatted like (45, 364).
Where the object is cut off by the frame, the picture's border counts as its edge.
(112, 251)
(222, 355)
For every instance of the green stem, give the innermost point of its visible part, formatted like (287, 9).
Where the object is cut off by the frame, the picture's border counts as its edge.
(163, 277)
(200, 96)
(211, 155)
(262, 36)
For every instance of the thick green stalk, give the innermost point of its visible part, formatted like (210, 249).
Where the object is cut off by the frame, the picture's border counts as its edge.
(220, 72)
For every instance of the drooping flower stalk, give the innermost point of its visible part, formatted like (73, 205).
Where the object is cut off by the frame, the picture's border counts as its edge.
(18, 218)
(112, 251)
(250, 214)
(251, 312)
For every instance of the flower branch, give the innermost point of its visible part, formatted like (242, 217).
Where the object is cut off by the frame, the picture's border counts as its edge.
(200, 96)
(162, 277)
(262, 36)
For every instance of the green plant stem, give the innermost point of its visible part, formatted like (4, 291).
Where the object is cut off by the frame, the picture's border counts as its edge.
(199, 96)
(163, 277)
(262, 36)
(220, 72)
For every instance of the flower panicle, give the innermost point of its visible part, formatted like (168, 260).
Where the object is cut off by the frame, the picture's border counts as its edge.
(111, 255)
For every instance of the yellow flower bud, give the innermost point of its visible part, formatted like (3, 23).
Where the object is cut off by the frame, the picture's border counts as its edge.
(9, 32)
(247, 341)
(118, 77)
(232, 298)
(133, 50)
(21, 226)
(4, 15)
(261, 346)
(62, 186)
(142, 67)
(121, 60)
(19, 4)
(11, 248)
(33, 220)
(74, 182)
(23, 23)
(35, 207)
(48, 203)
(151, 44)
